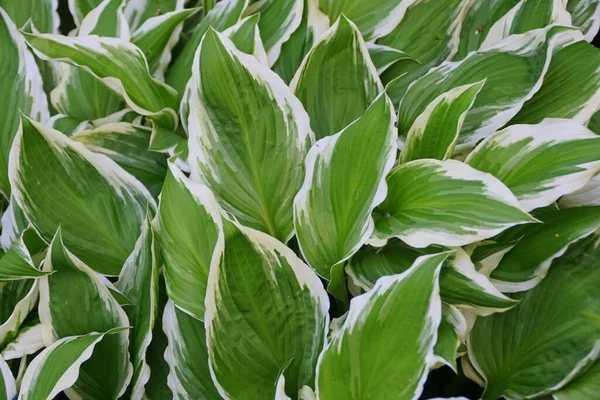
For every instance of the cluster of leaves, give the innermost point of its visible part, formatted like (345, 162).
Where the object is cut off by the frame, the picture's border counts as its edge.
(299, 199)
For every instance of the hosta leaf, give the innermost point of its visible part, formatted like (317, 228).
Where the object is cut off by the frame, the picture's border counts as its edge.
(187, 356)
(374, 19)
(57, 181)
(157, 36)
(266, 314)
(525, 16)
(28, 341)
(278, 20)
(119, 64)
(65, 311)
(585, 14)
(127, 145)
(43, 14)
(17, 263)
(17, 299)
(13, 224)
(345, 181)
(383, 56)
(225, 14)
(368, 341)
(515, 68)
(20, 77)
(460, 284)
(139, 11)
(80, 8)
(570, 89)
(540, 345)
(246, 37)
(8, 386)
(435, 132)
(243, 154)
(589, 195)
(446, 203)
(337, 81)
(527, 263)
(452, 329)
(312, 26)
(584, 387)
(428, 32)
(59, 366)
(539, 163)
(139, 282)
(188, 228)
(481, 16)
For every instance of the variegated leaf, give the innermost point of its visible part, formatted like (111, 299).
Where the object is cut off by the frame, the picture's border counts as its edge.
(243, 154)
(333, 103)
(187, 356)
(266, 314)
(139, 11)
(188, 228)
(540, 163)
(345, 181)
(542, 344)
(435, 132)
(589, 195)
(43, 14)
(8, 386)
(74, 301)
(28, 340)
(584, 387)
(246, 37)
(369, 341)
(447, 203)
(20, 77)
(585, 14)
(384, 57)
(18, 262)
(57, 181)
(17, 299)
(451, 333)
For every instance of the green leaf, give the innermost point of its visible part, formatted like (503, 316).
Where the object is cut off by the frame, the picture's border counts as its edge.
(157, 36)
(74, 301)
(42, 13)
(384, 57)
(80, 8)
(119, 64)
(428, 32)
(248, 134)
(139, 282)
(435, 132)
(345, 181)
(8, 386)
(127, 145)
(266, 313)
(527, 263)
(225, 14)
(543, 343)
(17, 299)
(188, 228)
(514, 70)
(139, 11)
(586, 15)
(13, 224)
(452, 330)
(570, 89)
(447, 203)
(246, 37)
(584, 387)
(187, 356)
(368, 341)
(57, 181)
(20, 76)
(59, 366)
(17, 263)
(28, 341)
(333, 103)
(540, 163)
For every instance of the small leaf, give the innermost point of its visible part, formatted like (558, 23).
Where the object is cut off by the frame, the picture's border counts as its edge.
(384, 57)
(17, 263)
(17, 299)
(451, 332)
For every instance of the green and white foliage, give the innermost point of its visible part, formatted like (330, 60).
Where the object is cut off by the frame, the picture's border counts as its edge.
(299, 199)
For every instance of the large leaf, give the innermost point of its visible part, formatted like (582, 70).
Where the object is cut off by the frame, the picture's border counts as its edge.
(225, 14)
(57, 181)
(187, 356)
(188, 228)
(278, 20)
(527, 263)
(584, 387)
(19, 76)
(74, 301)
(586, 15)
(514, 70)
(428, 32)
(540, 163)
(540, 345)
(119, 64)
(58, 367)
(435, 132)
(127, 145)
(447, 203)
(139, 282)
(337, 81)
(266, 314)
(248, 134)
(366, 357)
(345, 181)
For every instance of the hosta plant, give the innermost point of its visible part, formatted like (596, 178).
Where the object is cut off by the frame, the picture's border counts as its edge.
(299, 199)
